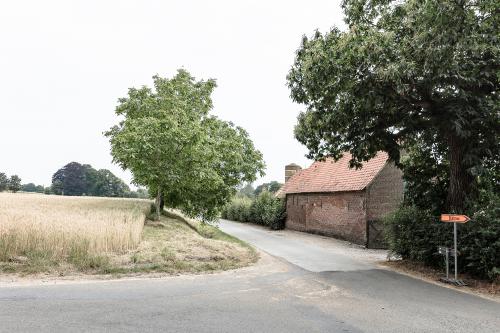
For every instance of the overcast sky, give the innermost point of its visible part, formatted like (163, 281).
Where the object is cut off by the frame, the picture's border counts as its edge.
(64, 64)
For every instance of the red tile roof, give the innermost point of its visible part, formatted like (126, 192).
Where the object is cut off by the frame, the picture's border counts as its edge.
(331, 176)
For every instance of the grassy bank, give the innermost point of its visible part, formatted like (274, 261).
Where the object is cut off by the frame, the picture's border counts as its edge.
(206, 230)
(172, 246)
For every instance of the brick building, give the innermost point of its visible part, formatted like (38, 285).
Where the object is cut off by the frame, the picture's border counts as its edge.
(331, 199)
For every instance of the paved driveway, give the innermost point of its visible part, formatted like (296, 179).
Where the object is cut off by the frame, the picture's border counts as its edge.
(306, 284)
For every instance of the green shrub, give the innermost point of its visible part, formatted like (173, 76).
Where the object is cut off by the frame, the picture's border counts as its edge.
(265, 209)
(480, 242)
(238, 209)
(415, 234)
(268, 210)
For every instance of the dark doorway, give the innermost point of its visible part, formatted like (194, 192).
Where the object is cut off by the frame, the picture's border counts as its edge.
(375, 235)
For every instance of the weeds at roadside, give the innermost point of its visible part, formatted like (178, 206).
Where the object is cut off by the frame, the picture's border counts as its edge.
(484, 287)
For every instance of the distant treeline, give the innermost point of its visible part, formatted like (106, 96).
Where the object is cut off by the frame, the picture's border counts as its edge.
(249, 191)
(82, 179)
(78, 180)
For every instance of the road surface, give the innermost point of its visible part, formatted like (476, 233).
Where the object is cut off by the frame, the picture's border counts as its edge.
(303, 283)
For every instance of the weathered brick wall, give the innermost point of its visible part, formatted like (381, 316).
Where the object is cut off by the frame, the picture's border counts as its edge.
(339, 214)
(385, 193)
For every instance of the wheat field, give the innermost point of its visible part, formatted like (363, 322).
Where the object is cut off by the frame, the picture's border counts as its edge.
(59, 226)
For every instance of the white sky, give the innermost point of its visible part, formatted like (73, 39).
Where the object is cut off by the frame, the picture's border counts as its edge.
(64, 64)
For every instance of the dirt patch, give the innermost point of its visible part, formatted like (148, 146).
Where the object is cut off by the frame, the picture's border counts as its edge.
(484, 288)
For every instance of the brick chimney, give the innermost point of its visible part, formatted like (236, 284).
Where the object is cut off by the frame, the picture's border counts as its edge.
(290, 170)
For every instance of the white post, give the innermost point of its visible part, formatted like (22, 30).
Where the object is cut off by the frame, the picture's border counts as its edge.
(447, 263)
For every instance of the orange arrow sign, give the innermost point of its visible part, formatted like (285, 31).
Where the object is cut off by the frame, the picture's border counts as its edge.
(454, 218)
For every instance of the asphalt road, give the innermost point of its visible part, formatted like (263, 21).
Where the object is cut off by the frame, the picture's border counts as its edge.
(306, 284)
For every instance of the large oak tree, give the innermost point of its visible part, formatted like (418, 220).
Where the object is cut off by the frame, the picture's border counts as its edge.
(404, 73)
(82, 179)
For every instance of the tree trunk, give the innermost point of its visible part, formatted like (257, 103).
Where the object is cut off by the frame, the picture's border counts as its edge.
(460, 179)
(157, 204)
(162, 202)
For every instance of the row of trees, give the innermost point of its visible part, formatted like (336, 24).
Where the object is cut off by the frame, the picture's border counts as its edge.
(420, 77)
(172, 145)
(12, 183)
(249, 191)
(32, 187)
(76, 179)
(82, 179)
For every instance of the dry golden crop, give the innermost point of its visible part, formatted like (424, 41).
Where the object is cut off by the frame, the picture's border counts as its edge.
(59, 226)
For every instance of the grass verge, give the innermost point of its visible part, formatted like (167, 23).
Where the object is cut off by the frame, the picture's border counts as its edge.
(206, 230)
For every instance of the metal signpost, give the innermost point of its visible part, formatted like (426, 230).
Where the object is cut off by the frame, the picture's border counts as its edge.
(453, 218)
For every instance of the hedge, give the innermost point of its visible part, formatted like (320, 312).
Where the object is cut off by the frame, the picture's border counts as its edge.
(265, 209)
(415, 234)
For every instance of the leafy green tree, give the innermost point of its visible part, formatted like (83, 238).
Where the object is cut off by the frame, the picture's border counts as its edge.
(4, 182)
(426, 177)
(274, 186)
(271, 187)
(405, 74)
(172, 145)
(70, 180)
(259, 189)
(247, 191)
(226, 158)
(82, 179)
(14, 183)
(91, 177)
(108, 185)
(141, 193)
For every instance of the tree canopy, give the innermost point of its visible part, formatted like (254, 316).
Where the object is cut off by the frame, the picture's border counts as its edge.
(271, 187)
(82, 179)
(31, 187)
(247, 191)
(172, 145)
(70, 180)
(4, 181)
(14, 183)
(405, 75)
